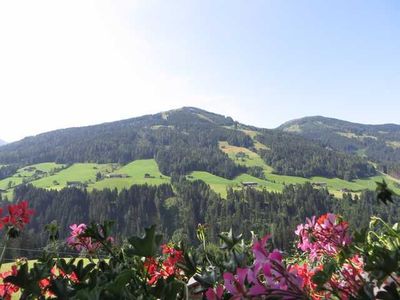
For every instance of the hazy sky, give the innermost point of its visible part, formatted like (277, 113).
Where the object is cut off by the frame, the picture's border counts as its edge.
(73, 63)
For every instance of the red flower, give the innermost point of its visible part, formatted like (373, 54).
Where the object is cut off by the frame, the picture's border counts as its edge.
(55, 272)
(19, 215)
(151, 266)
(157, 270)
(8, 289)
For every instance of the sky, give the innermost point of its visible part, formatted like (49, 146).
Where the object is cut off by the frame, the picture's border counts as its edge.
(82, 62)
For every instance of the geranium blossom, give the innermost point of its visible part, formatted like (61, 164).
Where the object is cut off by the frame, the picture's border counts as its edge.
(349, 280)
(267, 276)
(215, 294)
(8, 289)
(327, 235)
(156, 269)
(55, 272)
(79, 242)
(306, 272)
(322, 239)
(18, 215)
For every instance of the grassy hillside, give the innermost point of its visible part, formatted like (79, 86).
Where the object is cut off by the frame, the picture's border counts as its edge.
(136, 172)
(244, 156)
(275, 182)
(56, 176)
(99, 176)
(84, 173)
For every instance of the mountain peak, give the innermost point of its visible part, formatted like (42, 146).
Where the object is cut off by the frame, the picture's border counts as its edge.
(195, 112)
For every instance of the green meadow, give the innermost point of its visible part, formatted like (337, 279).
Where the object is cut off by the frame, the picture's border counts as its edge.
(244, 156)
(100, 176)
(56, 176)
(276, 183)
(136, 172)
(84, 173)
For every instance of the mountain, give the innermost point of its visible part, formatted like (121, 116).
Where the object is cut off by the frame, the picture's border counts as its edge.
(377, 143)
(2, 142)
(185, 140)
(182, 168)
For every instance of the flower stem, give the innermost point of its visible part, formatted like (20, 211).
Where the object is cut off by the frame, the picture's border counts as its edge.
(4, 250)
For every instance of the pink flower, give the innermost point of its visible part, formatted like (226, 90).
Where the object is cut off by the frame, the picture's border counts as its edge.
(215, 294)
(327, 235)
(267, 276)
(78, 242)
(235, 283)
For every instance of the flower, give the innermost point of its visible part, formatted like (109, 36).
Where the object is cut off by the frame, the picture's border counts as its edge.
(215, 294)
(266, 277)
(305, 272)
(152, 268)
(350, 278)
(8, 289)
(325, 236)
(79, 242)
(323, 239)
(167, 268)
(55, 272)
(235, 284)
(19, 215)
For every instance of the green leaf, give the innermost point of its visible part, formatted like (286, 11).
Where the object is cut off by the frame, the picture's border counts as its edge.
(189, 266)
(147, 245)
(320, 278)
(384, 193)
(329, 268)
(229, 239)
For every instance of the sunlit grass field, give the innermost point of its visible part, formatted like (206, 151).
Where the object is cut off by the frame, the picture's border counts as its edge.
(57, 176)
(136, 171)
(79, 172)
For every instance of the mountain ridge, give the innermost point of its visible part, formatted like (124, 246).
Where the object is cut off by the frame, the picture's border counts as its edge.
(331, 119)
(378, 143)
(185, 140)
(197, 110)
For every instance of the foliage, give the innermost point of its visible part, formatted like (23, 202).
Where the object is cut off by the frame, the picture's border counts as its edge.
(187, 140)
(331, 263)
(379, 143)
(314, 160)
(184, 141)
(179, 208)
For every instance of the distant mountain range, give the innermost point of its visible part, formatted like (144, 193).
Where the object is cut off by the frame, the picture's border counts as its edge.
(188, 139)
(2, 142)
(378, 143)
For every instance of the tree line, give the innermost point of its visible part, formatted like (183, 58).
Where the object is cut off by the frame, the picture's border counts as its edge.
(178, 209)
(293, 155)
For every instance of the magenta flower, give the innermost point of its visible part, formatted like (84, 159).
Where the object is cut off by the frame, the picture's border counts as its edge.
(235, 284)
(327, 235)
(215, 294)
(266, 277)
(80, 243)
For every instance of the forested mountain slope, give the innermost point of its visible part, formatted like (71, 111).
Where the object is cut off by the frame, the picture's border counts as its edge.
(378, 143)
(174, 168)
(182, 141)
